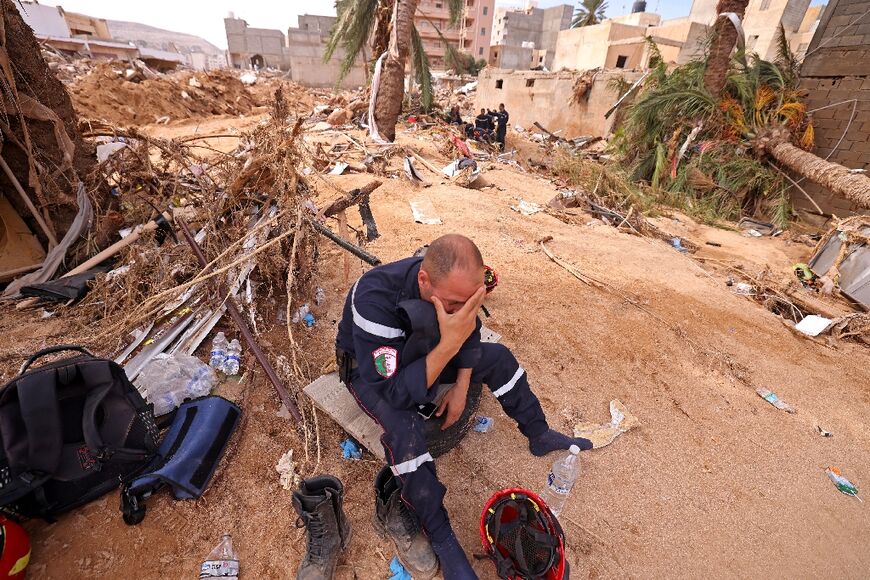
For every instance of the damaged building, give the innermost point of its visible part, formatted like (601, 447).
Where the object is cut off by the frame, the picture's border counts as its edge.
(836, 76)
(526, 38)
(299, 52)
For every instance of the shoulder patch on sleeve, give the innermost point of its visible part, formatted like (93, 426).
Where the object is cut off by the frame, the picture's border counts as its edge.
(386, 360)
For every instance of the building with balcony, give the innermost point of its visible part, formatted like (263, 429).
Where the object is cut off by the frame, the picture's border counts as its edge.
(471, 36)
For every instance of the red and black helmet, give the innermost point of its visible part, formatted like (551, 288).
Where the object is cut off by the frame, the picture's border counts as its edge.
(522, 537)
(14, 549)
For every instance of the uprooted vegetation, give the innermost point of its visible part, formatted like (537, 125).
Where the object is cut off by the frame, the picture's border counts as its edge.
(702, 153)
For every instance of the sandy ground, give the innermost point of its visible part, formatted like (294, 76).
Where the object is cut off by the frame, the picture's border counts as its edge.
(716, 482)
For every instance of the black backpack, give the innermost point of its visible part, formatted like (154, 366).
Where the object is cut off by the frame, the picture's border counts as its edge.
(70, 432)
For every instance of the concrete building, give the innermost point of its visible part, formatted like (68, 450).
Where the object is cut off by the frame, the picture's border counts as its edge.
(836, 71)
(621, 42)
(471, 36)
(526, 38)
(800, 41)
(75, 33)
(548, 98)
(300, 52)
(761, 22)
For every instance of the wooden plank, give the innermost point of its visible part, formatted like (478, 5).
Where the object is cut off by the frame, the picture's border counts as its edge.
(332, 397)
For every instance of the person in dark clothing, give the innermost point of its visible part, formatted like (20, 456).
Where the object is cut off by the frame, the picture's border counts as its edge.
(410, 334)
(455, 117)
(484, 121)
(501, 117)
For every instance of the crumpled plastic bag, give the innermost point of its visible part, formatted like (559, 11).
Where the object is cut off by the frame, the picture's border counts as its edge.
(603, 435)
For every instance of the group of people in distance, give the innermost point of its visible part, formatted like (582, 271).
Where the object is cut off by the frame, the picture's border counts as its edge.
(489, 126)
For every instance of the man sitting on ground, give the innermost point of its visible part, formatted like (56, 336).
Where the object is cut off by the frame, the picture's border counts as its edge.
(409, 329)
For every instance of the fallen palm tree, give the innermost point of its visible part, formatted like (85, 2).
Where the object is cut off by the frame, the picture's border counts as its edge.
(723, 155)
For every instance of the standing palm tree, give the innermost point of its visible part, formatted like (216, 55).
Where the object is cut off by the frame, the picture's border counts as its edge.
(722, 44)
(589, 12)
(389, 26)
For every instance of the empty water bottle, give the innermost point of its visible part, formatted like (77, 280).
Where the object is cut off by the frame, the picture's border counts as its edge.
(232, 362)
(561, 479)
(222, 562)
(218, 351)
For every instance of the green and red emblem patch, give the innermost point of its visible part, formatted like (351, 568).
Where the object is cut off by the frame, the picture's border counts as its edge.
(386, 361)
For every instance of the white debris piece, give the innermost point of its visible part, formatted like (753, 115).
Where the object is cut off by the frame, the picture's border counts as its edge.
(248, 78)
(106, 150)
(813, 325)
(194, 83)
(527, 207)
(286, 469)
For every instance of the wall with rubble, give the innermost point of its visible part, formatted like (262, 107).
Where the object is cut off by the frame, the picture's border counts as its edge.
(547, 97)
(836, 71)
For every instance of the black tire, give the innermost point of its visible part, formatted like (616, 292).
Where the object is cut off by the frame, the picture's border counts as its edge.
(440, 442)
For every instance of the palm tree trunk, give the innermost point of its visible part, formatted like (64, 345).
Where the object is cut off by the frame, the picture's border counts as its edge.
(853, 186)
(388, 103)
(724, 39)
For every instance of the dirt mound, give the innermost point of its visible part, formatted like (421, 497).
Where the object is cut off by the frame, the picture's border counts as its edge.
(105, 94)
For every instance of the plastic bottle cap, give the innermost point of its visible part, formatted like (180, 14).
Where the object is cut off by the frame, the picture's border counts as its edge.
(574, 449)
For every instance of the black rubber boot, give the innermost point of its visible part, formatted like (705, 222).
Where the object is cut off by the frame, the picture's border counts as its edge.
(393, 518)
(454, 562)
(319, 505)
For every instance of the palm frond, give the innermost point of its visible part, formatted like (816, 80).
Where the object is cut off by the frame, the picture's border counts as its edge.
(456, 9)
(422, 72)
(356, 20)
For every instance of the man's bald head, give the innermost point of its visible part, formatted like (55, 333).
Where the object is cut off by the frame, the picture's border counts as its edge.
(449, 253)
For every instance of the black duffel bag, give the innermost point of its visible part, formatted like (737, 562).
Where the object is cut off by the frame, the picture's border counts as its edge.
(70, 431)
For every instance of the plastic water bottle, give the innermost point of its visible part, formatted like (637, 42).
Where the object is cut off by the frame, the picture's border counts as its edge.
(231, 363)
(561, 479)
(222, 562)
(218, 351)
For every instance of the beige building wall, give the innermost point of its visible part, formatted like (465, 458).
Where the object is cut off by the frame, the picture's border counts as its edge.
(547, 97)
(84, 25)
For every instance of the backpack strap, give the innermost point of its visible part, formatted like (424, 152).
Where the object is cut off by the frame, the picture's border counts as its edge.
(40, 413)
(117, 410)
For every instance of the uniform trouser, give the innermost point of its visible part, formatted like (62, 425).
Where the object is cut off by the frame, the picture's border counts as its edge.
(500, 136)
(405, 444)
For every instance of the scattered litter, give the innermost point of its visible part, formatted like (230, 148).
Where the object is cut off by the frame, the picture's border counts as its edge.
(319, 296)
(398, 571)
(463, 170)
(519, 129)
(339, 168)
(527, 207)
(218, 351)
(46, 314)
(714, 244)
(410, 170)
(301, 313)
(193, 82)
(483, 424)
(756, 228)
(843, 484)
(248, 78)
(771, 398)
(466, 88)
(744, 289)
(168, 379)
(222, 562)
(185, 95)
(824, 433)
(813, 325)
(350, 449)
(106, 150)
(602, 435)
(286, 469)
(677, 243)
(232, 362)
(308, 320)
(424, 212)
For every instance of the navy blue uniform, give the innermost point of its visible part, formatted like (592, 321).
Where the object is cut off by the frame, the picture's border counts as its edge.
(389, 380)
